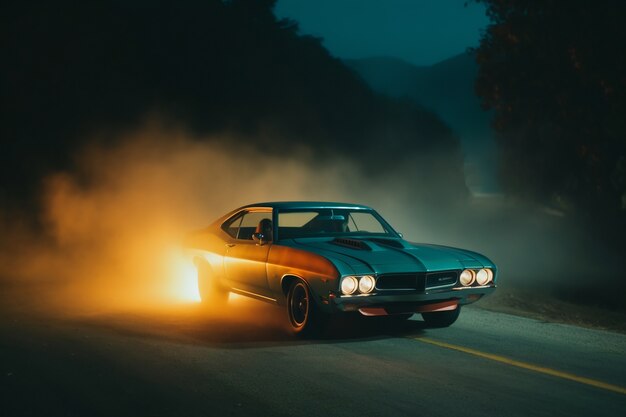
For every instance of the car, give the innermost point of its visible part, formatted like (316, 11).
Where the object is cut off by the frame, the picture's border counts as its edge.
(321, 259)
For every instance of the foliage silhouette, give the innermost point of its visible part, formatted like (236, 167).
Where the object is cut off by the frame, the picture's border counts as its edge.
(553, 72)
(74, 68)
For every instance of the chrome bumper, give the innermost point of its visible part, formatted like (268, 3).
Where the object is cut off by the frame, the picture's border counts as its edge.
(405, 300)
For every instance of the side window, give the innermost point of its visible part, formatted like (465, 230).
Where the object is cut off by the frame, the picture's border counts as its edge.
(251, 221)
(231, 226)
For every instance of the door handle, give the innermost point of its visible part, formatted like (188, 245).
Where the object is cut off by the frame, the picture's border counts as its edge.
(230, 245)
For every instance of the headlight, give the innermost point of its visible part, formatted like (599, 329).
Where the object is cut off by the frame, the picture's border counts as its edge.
(467, 277)
(349, 285)
(490, 273)
(482, 277)
(367, 284)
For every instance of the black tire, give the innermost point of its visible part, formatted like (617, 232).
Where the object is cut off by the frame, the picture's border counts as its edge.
(441, 318)
(212, 294)
(304, 316)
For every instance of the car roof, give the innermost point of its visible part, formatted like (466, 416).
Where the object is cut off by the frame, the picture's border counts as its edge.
(306, 205)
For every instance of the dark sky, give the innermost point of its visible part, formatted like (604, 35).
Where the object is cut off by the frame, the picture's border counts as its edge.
(422, 32)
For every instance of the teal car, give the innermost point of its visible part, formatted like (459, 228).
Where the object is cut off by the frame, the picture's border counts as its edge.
(322, 259)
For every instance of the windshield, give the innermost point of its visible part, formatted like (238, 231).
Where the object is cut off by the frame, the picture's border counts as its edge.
(331, 222)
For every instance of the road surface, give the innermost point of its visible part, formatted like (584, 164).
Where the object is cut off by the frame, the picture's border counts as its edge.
(181, 361)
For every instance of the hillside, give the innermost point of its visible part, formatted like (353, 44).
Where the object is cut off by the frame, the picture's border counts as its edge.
(447, 88)
(78, 69)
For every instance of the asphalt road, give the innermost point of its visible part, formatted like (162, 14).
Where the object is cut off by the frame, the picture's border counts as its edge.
(180, 361)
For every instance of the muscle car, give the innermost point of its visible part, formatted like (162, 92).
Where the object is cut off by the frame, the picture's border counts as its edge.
(321, 259)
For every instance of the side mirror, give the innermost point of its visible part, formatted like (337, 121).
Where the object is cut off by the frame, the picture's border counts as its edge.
(401, 235)
(259, 238)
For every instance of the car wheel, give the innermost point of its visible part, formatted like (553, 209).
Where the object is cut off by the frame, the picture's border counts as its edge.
(441, 318)
(211, 292)
(304, 316)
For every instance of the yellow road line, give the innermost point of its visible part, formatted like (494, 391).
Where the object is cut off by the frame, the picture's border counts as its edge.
(529, 366)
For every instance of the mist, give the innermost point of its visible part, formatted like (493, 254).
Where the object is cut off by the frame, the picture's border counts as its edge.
(111, 226)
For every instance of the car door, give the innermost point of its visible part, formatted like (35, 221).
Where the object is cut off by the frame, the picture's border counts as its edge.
(245, 260)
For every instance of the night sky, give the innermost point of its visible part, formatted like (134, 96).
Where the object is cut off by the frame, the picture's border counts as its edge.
(420, 32)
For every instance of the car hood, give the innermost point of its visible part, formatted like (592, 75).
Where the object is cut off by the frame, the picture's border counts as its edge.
(376, 255)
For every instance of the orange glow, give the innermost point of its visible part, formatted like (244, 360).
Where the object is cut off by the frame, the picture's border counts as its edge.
(236, 297)
(183, 279)
(114, 224)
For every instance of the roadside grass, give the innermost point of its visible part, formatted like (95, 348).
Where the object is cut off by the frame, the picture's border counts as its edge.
(550, 307)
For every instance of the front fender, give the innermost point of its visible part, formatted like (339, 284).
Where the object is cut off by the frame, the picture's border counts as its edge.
(320, 274)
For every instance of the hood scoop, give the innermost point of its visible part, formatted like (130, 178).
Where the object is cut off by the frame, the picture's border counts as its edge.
(388, 242)
(351, 243)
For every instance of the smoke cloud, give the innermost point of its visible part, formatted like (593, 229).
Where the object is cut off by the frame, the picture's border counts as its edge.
(113, 224)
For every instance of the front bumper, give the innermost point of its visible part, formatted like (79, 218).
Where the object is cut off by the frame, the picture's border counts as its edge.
(397, 302)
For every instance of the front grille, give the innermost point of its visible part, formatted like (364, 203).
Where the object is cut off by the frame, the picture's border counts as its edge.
(441, 279)
(413, 281)
(417, 281)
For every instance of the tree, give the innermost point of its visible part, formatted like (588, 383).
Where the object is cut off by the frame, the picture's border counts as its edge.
(73, 69)
(555, 74)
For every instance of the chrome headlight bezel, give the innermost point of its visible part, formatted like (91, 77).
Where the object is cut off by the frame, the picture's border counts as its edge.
(367, 283)
(482, 277)
(349, 285)
(357, 284)
(467, 277)
(476, 277)
(491, 275)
